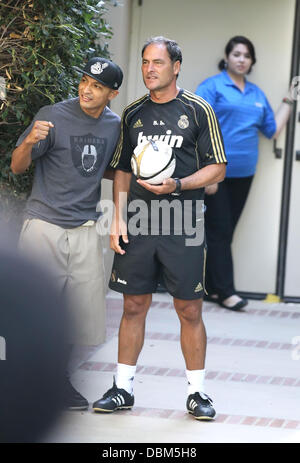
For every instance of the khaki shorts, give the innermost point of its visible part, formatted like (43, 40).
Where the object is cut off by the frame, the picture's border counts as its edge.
(75, 258)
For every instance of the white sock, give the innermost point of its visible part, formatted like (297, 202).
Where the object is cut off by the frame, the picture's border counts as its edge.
(125, 377)
(195, 381)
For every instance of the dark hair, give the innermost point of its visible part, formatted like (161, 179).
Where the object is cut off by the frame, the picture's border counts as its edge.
(171, 46)
(230, 46)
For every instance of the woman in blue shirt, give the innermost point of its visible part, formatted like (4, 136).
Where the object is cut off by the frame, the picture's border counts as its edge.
(243, 110)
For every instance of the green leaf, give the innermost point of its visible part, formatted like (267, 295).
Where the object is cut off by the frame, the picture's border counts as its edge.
(61, 35)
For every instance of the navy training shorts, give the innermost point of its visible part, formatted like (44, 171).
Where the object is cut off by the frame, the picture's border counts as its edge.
(182, 266)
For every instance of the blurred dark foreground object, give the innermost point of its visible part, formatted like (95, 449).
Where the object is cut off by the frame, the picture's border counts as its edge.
(32, 350)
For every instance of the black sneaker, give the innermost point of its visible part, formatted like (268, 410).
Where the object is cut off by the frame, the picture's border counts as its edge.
(200, 405)
(114, 399)
(73, 400)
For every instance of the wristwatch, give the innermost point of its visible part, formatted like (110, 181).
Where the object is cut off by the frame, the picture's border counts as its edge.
(177, 191)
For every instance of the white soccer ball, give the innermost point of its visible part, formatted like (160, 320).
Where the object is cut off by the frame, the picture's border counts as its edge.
(153, 161)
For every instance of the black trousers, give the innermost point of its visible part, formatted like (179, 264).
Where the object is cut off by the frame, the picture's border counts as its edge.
(223, 211)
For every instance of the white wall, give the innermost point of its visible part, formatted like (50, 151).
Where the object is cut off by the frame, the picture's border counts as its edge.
(119, 17)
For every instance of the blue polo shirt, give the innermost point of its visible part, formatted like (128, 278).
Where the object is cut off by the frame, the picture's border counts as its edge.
(241, 116)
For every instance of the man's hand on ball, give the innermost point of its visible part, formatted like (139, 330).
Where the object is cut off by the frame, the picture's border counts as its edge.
(167, 187)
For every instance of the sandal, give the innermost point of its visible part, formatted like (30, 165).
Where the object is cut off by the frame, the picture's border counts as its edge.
(233, 302)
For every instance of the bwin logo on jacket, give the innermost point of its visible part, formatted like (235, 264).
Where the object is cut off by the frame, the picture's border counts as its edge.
(88, 153)
(175, 141)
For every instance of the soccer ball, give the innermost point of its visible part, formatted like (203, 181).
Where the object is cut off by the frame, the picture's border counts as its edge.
(153, 161)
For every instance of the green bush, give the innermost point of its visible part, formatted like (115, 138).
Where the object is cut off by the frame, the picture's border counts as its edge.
(40, 42)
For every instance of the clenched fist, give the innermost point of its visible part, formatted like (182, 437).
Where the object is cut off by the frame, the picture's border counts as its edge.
(39, 131)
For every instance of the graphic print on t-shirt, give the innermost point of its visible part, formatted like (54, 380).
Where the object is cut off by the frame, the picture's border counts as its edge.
(87, 153)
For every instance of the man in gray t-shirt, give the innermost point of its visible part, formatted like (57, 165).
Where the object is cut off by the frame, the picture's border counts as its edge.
(72, 143)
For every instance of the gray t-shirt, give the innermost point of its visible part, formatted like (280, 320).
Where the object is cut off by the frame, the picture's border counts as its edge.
(70, 163)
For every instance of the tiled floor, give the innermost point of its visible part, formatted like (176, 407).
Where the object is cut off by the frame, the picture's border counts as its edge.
(252, 374)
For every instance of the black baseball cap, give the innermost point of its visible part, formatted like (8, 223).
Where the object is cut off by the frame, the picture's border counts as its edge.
(105, 71)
